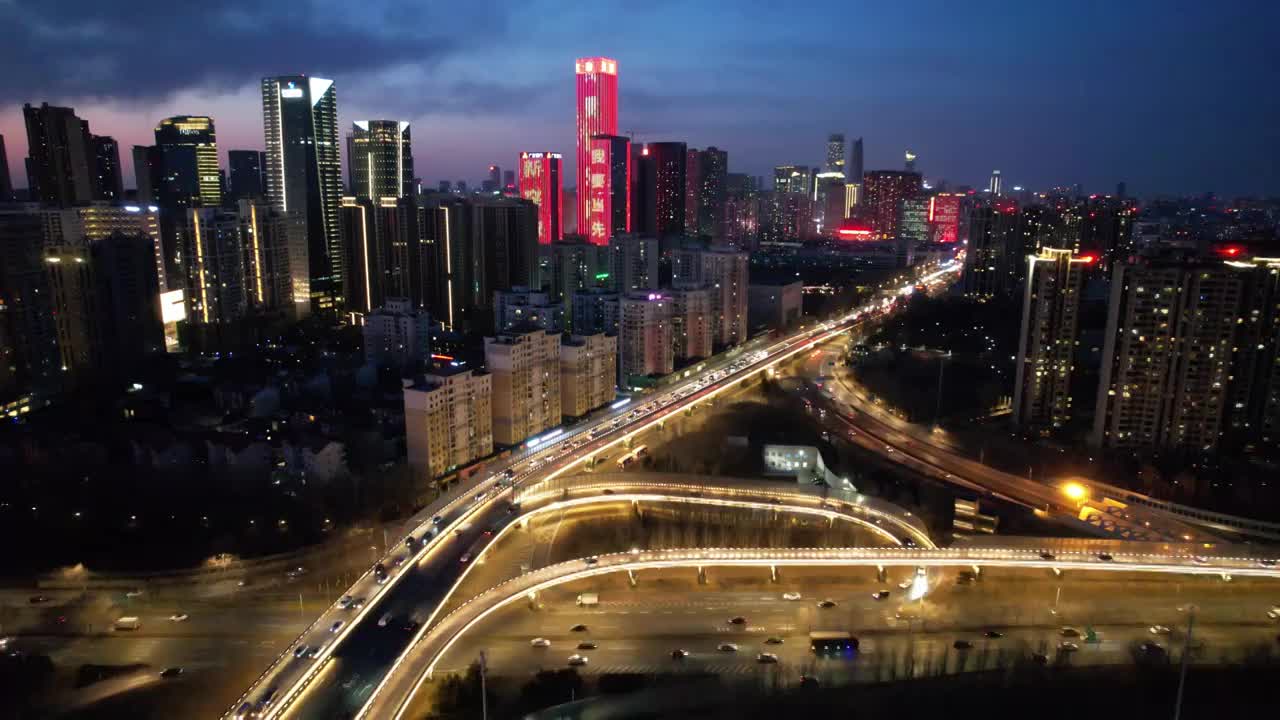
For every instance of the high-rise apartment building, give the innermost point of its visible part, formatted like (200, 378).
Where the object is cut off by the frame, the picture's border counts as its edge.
(594, 310)
(644, 336)
(188, 158)
(74, 306)
(995, 258)
(146, 172)
(691, 316)
(995, 186)
(883, 191)
(541, 183)
(525, 367)
(303, 174)
(245, 180)
(522, 307)
(725, 272)
(364, 278)
(1167, 358)
(214, 254)
(1048, 338)
(448, 419)
(397, 335)
(380, 159)
(855, 162)
(588, 373)
(658, 188)
(107, 183)
(711, 189)
(577, 265)
(633, 263)
(60, 159)
(31, 366)
(597, 111)
(275, 259)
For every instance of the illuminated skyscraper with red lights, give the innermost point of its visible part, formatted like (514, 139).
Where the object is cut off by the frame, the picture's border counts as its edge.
(540, 183)
(597, 82)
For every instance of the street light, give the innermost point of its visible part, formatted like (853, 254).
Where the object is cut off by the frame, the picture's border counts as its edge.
(1075, 491)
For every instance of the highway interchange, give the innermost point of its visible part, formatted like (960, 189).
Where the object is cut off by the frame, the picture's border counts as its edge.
(346, 657)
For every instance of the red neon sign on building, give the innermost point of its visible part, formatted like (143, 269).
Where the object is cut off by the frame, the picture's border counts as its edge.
(597, 81)
(540, 183)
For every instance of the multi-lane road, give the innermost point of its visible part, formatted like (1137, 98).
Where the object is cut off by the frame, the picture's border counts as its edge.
(412, 581)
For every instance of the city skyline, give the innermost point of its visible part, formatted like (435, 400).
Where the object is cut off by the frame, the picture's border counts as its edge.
(969, 92)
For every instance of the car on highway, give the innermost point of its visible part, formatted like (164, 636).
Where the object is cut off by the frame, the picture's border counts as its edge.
(1067, 646)
(727, 647)
(826, 604)
(906, 584)
(1151, 649)
(587, 645)
(244, 711)
(300, 651)
(540, 642)
(1069, 632)
(773, 640)
(679, 654)
(577, 660)
(410, 625)
(315, 650)
(384, 620)
(136, 592)
(765, 658)
(962, 645)
(578, 628)
(737, 620)
(791, 596)
(336, 626)
(1046, 556)
(437, 520)
(1039, 658)
(993, 634)
(344, 602)
(1105, 557)
(178, 617)
(882, 595)
(38, 599)
(591, 560)
(357, 603)
(1159, 630)
(296, 572)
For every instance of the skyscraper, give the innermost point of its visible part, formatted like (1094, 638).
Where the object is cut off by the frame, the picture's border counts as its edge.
(835, 154)
(246, 179)
(658, 188)
(541, 183)
(855, 162)
(146, 172)
(214, 252)
(60, 161)
(793, 179)
(188, 155)
(597, 109)
(6, 184)
(525, 369)
(300, 125)
(909, 161)
(610, 197)
(380, 159)
(107, 183)
(996, 185)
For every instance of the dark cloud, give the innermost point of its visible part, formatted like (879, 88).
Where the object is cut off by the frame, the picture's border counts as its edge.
(147, 49)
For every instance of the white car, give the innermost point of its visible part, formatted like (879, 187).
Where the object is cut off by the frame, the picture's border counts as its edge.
(136, 592)
(727, 647)
(577, 660)
(791, 596)
(1066, 646)
(384, 620)
(1159, 630)
(1274, 613)
(540, 642)
(178, 617)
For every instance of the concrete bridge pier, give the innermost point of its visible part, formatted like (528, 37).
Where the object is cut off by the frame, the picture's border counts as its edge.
(702, 575)
(880, 573)
(773, 573)
(631, 578)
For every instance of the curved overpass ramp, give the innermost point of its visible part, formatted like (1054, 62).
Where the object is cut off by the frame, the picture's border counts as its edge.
(392, 698)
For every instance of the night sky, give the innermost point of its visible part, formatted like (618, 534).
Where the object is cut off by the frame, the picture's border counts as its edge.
(1172, 97)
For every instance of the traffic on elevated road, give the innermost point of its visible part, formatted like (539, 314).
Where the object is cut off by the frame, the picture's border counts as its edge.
(416, 573)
